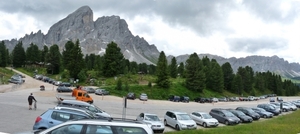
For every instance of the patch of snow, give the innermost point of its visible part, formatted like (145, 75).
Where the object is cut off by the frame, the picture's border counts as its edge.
(82, 40)
(102, 51)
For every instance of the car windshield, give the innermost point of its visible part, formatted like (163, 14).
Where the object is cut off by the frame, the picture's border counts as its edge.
(206, 116)
(240, 113)
(183, 117)
(151, 118)
(228, 114)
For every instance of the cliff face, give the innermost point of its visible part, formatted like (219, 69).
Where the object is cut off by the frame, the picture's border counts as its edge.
(95, 35)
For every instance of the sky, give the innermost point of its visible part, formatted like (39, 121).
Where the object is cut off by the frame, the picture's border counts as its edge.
(227, 28)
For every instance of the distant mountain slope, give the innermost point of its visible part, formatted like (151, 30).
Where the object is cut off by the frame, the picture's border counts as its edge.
(257, 63)
(95, 35)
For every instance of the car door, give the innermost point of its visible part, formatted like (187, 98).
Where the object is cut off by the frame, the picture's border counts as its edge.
(173, 120)
(58, 118)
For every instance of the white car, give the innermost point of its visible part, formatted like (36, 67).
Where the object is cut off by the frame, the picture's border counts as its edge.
(204, 119)
(179, 120)
(143, 97)
(91, 126)
(156, 124)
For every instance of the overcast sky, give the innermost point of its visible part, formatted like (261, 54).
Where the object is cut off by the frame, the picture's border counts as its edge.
(227, 28)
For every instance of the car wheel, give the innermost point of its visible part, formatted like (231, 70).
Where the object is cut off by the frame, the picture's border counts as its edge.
(265, 116)
(204, 124)
(177, 127)
(226, 122)
(165, 122)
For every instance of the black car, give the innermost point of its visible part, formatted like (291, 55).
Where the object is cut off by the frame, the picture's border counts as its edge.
(224, 116)
(185, 99)
(63, 89)
(174, 98)
(66, 84)
(131, 95)
(270, 108)
(243, 117)
(263, 113)
(199, 100)
(249, 112)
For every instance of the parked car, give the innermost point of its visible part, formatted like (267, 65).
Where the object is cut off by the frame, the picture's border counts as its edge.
(263, 113)
(131, 95)
(204, 119)
(57, 83)
(199, 100)
(143, 97)
(89, 126)
(99, 91)
(272, 99)
(90, 107)
(156, 124)
(63, 89)
(174, 98)
(179, 120)
(45, 79)
(270, 108)
(16, 80)
(248, 111)
(185, 99)
(222, 99)
(284, 108)
(53, 117)
(88, 89)
(243, 117)
(224, 116)
(291, 105)
(66, 84)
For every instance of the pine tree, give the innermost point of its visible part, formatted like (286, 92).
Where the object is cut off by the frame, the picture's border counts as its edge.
(18, 55)
(4, 55)
(195, 77)
(162, 71)
(181, 69)
(113, 59)
(52, 58)
(228, 75)
(215, 78)
(173, 68)
(76, 62)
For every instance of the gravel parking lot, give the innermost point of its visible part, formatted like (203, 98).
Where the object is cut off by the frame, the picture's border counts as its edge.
(15, 116)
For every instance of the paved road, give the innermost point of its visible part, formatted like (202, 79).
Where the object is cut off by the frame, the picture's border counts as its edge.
(15, 116)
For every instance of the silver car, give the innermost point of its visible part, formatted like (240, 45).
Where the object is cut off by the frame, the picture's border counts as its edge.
(99, 127)
(204, 119)
(156, 124)
(179, 120)
(143, 97)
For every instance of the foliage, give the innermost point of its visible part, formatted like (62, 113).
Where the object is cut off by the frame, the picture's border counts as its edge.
(18, 55)
(3, 55)
(32, 54)
(162, 71)
(53, 60)
(112, 60)
(173, 68)
(119, 84)
(195, 77)
(228, 76)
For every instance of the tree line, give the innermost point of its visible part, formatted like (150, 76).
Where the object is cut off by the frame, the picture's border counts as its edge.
(198, 74)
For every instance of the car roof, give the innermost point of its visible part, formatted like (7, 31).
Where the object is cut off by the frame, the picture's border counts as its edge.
(70, 111)
(177, 112)
(76, 102)
(200, 112)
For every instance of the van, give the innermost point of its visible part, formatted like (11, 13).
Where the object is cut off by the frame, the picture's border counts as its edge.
(179, 120)
(91, 107)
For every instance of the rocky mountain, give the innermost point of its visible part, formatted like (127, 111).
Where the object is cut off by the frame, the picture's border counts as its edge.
(257, 63)
(95, 35)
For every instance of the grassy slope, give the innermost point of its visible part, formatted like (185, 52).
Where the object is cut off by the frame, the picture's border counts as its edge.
(286, 124)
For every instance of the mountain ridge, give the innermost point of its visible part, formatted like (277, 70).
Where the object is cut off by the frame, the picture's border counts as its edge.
(95, 35)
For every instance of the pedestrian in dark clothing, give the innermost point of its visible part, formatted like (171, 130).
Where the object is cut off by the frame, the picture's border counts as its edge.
(30, 100)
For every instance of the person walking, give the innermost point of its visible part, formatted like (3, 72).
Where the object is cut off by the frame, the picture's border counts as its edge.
(30, 100)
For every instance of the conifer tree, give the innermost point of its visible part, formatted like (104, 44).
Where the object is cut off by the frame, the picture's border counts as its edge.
(162, 71)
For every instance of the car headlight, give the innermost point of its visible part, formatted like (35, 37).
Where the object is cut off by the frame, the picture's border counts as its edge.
(183, 125)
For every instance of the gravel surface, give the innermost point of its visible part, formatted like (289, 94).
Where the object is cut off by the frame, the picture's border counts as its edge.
(15, 116)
